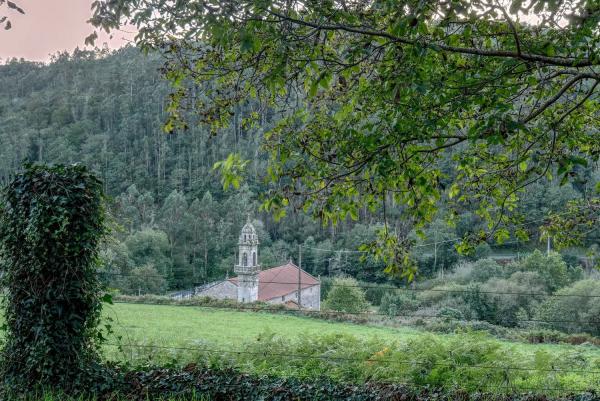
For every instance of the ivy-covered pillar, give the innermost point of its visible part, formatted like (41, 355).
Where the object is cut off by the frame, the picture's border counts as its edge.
(51, 222)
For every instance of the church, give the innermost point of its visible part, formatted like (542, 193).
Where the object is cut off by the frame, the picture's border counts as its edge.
(286, 284)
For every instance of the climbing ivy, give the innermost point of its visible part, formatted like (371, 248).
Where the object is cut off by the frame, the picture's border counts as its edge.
(51, 222)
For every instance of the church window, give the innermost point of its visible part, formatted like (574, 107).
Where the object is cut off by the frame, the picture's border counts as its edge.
(253, 258)
(245, 259)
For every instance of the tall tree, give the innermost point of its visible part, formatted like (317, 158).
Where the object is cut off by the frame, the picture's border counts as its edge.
(174, 217)
(203, 217)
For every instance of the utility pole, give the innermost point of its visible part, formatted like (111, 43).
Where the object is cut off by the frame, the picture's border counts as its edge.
(548, 247)
(435, 257)
(299, 276)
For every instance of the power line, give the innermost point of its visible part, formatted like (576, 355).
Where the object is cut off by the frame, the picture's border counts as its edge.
(408, 289)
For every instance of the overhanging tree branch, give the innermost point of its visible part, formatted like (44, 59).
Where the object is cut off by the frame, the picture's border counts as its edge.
(551, 61)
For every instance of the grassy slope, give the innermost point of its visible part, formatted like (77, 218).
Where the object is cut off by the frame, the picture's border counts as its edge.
(270, 344)
(177, 325)
(165, 325)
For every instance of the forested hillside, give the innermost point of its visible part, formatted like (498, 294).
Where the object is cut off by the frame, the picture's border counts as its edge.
(174, 225)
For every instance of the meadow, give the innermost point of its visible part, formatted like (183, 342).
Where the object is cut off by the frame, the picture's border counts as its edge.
(291, 346)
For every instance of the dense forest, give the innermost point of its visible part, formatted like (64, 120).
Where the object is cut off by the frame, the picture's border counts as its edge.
(172, 223)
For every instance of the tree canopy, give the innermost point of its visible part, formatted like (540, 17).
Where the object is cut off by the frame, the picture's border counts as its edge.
(402, 101)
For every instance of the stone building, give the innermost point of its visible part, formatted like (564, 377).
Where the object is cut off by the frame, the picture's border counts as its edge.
(286, 284)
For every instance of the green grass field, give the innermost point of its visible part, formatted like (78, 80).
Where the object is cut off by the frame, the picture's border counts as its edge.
(165, 325)
(264, 343)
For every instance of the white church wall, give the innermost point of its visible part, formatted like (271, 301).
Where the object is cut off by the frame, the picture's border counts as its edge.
(247, 290)
(311, 298)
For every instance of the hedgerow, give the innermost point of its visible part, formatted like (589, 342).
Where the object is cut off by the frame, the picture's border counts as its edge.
(232, 385)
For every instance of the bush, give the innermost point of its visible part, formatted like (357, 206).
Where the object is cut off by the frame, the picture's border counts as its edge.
(450, 313)
(326, 285)
(548, 336)
(485, 269)
(375, 292)
(145, 280)
(552, 269)
(574, 309)
(477, 272)
(398, 303)
(346, 296)
(511, 298)
(482, 251)
(505, 301)
(50, 227)
(570, 259)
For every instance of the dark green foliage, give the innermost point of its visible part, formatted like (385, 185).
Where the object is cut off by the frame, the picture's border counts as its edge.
(51, 224)
(482, 308)
(232, 385)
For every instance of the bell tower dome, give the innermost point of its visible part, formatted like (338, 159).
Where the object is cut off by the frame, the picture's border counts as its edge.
(247, 267)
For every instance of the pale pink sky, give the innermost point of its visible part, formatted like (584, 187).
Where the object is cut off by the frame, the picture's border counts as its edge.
(50, 26)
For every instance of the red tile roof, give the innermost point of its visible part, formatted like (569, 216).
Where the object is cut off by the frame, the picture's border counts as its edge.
(280, 281)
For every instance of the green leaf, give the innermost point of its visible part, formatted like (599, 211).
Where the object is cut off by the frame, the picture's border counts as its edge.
(523, 166)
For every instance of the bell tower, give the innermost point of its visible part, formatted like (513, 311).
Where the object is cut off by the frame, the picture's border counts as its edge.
(247, 267)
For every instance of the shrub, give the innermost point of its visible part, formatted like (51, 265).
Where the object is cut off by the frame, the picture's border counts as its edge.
(326, 285)
(479, 272)
(505, 301)
(478, 302)
(440, 293)
(545, 336)
(50, 227)
(511, 298)
(397, 303)
(552, 269)
(574, 309)
(482, 250)
(346, 296)
(450, 313)
(485, 269)
(375, 292)
(145, 280)
(570, 259)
